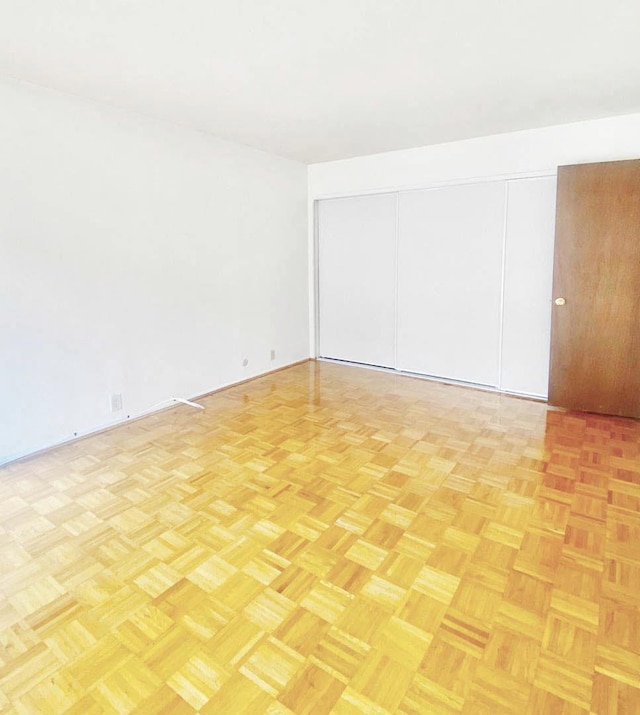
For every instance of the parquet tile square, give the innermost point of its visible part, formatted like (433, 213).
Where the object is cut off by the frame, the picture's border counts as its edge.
(388, 691)
(426, 696)
(348, 575)
(366, 554)
(539, 556)
(136, 633)
(327, 539)
(614, 697)
(413, 545)
(294, 582)
(520, 620)
(496, 691)
(503, 533)
(464, 632)
(265, 567)
(402, 642)
(449, 666)
(477, 599)
(383, 592)
(449, 559)
(363, 619)
(27, 669)
(580, 611)
(302, 631)
(327, 601)
(211, 574)
(269, 609)
(354, 703)
(56, 694)
(126, 687)
(164, 701)
(440, 585)
(579, 579)
(232, 643)
(313, 691)
(563, 638)
(618, 663)
(621, 579)
(493, 554)
(17, 639)
(238, 689)
(340, 654)
(528, 591)
(400, 569)
(272, 665)
(542, 701)
(337, 540)
(559, 676)
(620, 625)
(422, 611)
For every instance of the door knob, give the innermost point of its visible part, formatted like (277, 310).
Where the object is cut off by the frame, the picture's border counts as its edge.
(560, 301)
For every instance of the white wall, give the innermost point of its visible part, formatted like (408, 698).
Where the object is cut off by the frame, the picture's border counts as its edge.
(136, 257)
(525, 153)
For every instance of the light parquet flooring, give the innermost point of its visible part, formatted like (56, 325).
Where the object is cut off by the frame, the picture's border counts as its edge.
(327, 539)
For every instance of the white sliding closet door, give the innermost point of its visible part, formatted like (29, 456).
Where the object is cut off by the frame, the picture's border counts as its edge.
(449, 281)
(357, 278)
(527, 285)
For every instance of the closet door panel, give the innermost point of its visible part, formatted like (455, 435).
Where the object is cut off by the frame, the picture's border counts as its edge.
(449, 281)
(357, 274)
(526, 328)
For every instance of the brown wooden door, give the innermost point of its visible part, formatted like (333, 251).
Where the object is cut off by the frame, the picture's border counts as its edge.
(595, 335)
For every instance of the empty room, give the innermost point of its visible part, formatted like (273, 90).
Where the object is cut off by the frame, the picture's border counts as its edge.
(319, 357)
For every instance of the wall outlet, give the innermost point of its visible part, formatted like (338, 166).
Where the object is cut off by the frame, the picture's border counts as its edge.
(116, 401)
(273, 354)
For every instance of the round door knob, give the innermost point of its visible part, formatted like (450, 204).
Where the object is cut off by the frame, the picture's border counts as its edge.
(560, 301)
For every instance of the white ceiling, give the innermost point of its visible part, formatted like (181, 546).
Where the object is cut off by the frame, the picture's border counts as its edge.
(328, 79)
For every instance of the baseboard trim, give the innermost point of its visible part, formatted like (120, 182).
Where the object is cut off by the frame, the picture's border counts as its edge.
(142, 415)
(434, 378)
(251, 379)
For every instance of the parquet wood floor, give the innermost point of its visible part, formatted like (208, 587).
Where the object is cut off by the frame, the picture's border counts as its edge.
(327, 539)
